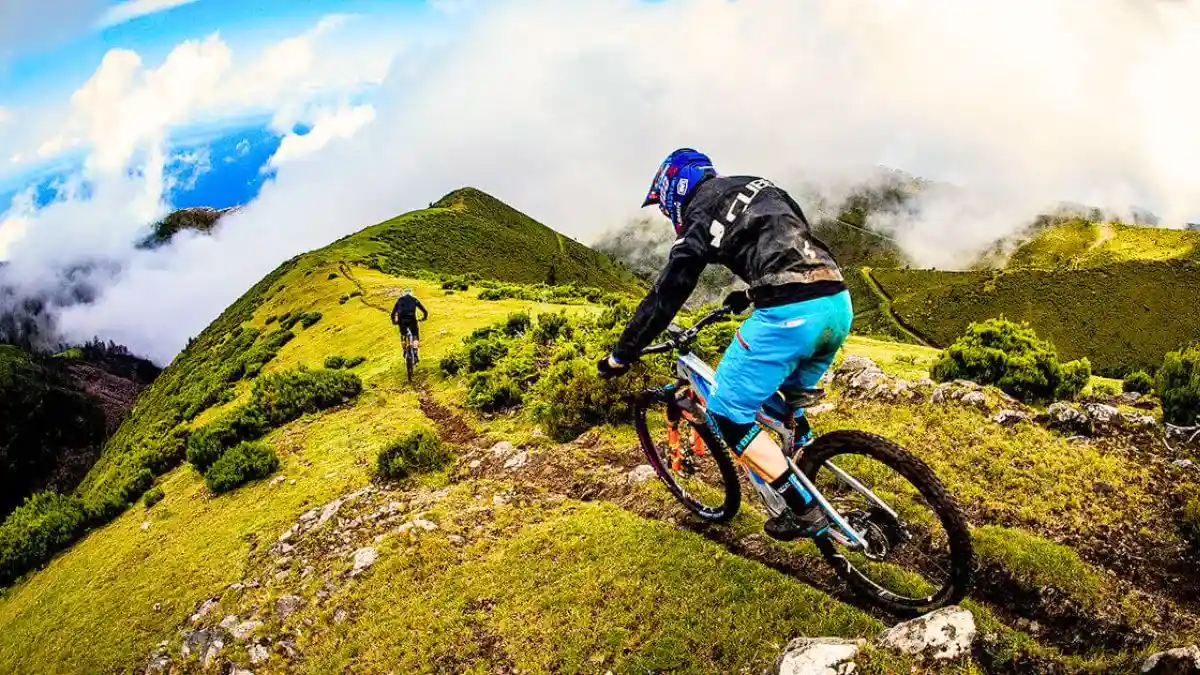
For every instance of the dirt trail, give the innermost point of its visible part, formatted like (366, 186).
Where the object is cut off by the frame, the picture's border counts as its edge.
(885, 303)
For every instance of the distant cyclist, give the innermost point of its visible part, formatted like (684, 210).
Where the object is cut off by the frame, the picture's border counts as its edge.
(404, 315)
(801, 318)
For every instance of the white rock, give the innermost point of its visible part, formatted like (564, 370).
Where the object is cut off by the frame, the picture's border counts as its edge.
(819, 409)
(1067, 416)
(1008, 418)
(244, 629)
(944, 634)
(404, 528)
(309, 515)
(975, 398)
(1180, 661)
(816, 656)
(517, 461)
(287, 605)
(229, 622)
(363, 559)
(640, 474)
(204, 609)
(158, 606)
(499, 500)
(456, 540)
(287, 534)
(237, 670)
(339, 616)
(259, 654)
(538, 432)
(474, 464)
(1183, 463)
(426, 525)
(329, 511)
(853, 364)
(502, 449)
(1102, 414)
(277, 480)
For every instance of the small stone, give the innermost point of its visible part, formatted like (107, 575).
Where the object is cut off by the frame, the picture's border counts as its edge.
(363, 559)
(287, 534)
(1183, 463)
(503, 448)
(339, 616)
(309, 515)
(379, 537)
(517, 461)
(944, 634)
(244, 629)
(499, 500)
(229, 622)
(204, 609)
(475, 464)
(329, 511)
(277, 480)
(1179, 661)
(158, 606)
(292, 481)
(1008, 418)
(287, 605)
(146, 525)
(456, 540)
(816, 656)
(258, 654)
(426, 525)
(404, 528)
(975, 398)
(640, 474)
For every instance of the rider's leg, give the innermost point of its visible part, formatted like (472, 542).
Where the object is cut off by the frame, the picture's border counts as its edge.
(769, 348)
(806, 376)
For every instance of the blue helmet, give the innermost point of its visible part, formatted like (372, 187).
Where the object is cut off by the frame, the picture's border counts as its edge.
(678, 175)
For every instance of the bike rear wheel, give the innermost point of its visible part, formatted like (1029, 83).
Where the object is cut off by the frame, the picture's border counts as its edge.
(410, 361)
(919, 556)
(687, 456)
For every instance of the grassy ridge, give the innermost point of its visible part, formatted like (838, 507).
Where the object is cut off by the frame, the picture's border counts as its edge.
(1084, 244)
(469, 231)
(1123, 316)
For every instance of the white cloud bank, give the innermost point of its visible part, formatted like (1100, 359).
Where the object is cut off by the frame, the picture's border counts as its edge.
(565, 109)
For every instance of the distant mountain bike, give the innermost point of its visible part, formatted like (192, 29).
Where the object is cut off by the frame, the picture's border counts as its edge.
(896, 535)
(410, 351)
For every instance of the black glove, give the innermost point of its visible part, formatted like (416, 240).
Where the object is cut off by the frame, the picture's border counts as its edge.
(606, 370)
(737, 301)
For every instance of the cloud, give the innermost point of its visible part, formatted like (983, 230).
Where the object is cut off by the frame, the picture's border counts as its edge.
(565, 109)
(6, 115)
(136, 9)
(328, 125)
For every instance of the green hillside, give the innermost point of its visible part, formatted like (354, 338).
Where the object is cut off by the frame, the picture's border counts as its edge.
(1122, 316)
(1083, 244)
(468, 231)
(542, 556)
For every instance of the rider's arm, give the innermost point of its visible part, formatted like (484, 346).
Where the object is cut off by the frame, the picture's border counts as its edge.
(675, 283)
(424, 312)
(395, 311)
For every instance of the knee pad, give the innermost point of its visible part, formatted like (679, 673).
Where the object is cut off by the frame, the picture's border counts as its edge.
(736, 436)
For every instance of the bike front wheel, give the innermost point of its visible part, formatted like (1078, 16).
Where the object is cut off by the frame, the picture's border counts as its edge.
(919, 555)
(687, 456)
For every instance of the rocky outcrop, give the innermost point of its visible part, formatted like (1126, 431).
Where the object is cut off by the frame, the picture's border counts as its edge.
(818, 656)
(947, 633)
(1181, 661)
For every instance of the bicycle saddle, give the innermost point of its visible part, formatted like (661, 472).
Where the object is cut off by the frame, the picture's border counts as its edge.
(801, 398)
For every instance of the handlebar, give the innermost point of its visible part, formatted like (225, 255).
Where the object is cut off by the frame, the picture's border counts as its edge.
(684, 337)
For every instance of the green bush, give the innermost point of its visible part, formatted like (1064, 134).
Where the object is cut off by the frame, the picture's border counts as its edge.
(1010, 356)
(550, 327)
(483, 354)
(287, 321)
(455, 284)
(354, 361)
(262, 353)
(153, 496)
(452, 363)
(1179, 386)
(45, 524)
(241, 464)
(517, 324)
(570, 398)
(1075, 376)
(332, 275)
(309, 320)
(419, 452)
(334, 362)
(493, 391)
(206, 445)
(343, 300)
(283, 397)
(1138, 381)
(271, 319)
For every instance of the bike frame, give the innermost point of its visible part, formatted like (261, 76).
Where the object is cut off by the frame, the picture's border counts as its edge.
(694, 373)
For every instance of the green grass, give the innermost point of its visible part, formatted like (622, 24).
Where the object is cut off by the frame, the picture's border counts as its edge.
(1124, 316)
(1038, 562)
(577, 588)
(1081, 244)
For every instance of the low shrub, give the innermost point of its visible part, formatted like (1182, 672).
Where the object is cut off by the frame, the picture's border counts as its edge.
(334, 362)
(271, 319)
(491, 392)
(419, 452)
(332, 275)
(517, 323)
(1011, 356)
(153, 496)
(456, 284)
(1138, 381)
(287, 321)
(206, 445)
(310, 319)
(283, 397)
(355, 293)
(1179, 386)
(241, 464)
(550, 327)
(45, 524)
(482, 354)
(452, 363)
(354, 361)
(343, 300)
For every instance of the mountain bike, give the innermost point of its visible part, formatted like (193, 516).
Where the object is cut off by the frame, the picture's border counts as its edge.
(896, 535)
(410, 351)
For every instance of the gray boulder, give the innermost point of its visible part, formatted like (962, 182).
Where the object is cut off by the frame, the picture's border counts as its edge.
(1067, 417)
(816, 656)
(947, 633)
(1008, 418)
(1180, 661)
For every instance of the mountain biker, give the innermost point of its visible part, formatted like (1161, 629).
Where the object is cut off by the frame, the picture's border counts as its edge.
(802, 311)
(404, 315)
